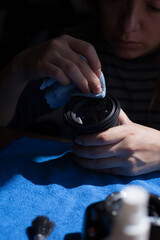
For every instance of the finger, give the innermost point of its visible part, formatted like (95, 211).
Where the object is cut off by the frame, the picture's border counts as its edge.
(110, 136)
(65, 71)
(96, 152)
(76, 67)
(88, 51)
(98, 164)
(79, 71)
(123, 118)
(57, 73)
(89, 74)
(72, 72)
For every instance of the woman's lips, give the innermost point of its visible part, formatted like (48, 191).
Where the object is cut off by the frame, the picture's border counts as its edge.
(127, 44)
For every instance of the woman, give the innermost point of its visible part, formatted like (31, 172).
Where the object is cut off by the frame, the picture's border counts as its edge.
(126, 47)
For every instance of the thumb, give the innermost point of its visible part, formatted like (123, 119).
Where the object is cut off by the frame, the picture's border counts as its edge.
(123, 118)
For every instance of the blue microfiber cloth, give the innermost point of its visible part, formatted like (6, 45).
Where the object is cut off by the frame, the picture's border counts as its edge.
(57, 95)
(39, 177)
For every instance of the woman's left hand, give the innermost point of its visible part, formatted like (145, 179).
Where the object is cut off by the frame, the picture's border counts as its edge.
(128, 149)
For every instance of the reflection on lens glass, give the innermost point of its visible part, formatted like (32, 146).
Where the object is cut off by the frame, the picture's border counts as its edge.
(89, 115)
(91, 111)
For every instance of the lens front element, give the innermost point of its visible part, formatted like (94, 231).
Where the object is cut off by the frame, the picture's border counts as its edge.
(88, 115)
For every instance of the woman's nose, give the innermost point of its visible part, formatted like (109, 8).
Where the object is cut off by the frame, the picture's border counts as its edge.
(131, 17)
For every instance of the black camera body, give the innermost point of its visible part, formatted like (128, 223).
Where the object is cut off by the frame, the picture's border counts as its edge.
(86, 115)
(99, 217)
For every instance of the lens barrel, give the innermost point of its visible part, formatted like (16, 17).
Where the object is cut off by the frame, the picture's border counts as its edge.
(86, 115)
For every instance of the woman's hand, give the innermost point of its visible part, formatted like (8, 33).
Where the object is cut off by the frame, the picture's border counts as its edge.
(61, 58)
(128, 149)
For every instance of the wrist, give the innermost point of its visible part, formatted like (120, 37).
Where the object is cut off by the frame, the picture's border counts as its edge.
(12, 79)
(17, 70)
(13, 75)
(156, 149)
(12, 83)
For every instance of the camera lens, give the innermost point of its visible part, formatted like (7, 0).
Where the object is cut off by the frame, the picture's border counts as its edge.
(88, 115)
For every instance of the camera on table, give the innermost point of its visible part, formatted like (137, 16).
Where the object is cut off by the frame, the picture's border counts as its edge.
(86, 115)
(99, 217)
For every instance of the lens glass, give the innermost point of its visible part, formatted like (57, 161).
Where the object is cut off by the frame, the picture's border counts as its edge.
(91, 111)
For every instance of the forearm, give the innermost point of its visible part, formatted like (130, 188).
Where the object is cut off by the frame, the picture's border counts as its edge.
(12, 83)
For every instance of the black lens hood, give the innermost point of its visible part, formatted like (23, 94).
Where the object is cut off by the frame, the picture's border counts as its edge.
(86, 115)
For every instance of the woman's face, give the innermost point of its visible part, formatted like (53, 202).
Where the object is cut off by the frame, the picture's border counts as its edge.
(132, 27)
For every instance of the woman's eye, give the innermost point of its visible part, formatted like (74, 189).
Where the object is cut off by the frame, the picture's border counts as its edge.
(155, 9)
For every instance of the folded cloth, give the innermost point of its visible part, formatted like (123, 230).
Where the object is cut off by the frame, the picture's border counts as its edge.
(39, 177)
(57, 95)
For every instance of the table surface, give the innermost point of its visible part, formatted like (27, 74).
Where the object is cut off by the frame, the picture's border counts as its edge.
(8, 135)
(38, 179)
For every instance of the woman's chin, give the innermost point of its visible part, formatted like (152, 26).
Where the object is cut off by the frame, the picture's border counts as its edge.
(126, 54)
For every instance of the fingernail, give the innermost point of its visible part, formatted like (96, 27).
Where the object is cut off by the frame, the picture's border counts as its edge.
(98, 73)
(98, 89)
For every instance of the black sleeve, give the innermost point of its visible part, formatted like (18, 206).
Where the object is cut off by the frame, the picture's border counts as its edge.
(31, 106)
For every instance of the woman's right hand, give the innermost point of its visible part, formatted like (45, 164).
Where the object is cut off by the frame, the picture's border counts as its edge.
(61, 59)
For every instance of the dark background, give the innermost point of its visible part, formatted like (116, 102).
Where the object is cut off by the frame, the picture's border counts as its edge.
(25, 23)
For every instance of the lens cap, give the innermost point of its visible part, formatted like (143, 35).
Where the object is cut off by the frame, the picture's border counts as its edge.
(88, 115)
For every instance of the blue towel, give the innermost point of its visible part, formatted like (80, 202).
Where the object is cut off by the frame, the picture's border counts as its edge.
(57, 94)
(39, 177)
